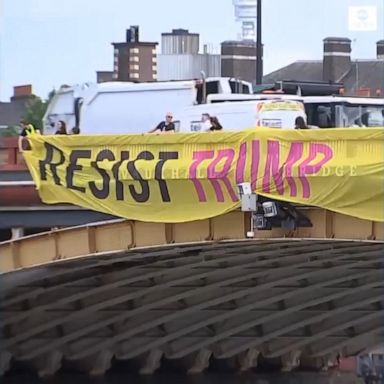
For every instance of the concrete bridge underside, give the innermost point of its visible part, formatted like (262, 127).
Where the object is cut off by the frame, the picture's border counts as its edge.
(238, 304)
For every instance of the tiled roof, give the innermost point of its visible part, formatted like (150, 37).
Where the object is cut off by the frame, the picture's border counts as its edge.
(362, 74)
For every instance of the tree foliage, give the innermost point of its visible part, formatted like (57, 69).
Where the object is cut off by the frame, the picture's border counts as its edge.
(36, 109)
(35, 112)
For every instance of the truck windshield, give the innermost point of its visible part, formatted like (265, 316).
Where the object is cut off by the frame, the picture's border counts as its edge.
(333, 115)
(320, 115)
(349, 115)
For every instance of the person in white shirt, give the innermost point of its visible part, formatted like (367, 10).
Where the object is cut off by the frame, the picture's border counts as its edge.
(205, 122)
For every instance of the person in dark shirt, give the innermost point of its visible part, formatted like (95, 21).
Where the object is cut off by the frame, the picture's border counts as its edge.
(166, 126)
(27, 129)
(215, 124)
(300, 123)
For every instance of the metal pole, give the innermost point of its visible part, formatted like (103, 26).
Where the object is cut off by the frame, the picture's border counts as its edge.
(203, 77)
(259, 46)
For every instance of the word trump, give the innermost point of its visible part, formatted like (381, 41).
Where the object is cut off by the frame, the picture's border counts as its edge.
(263, 168)
(123, 175)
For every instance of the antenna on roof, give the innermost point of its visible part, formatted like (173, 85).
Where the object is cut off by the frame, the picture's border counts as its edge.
(298, 93)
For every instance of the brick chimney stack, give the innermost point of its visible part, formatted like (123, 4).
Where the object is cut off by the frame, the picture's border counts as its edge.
(336, 58)
(238, 60)
(22, 92)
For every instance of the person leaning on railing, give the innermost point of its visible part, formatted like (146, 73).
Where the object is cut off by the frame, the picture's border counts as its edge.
(166, 126)
(300, 123)
(215, 124)
(27, 130)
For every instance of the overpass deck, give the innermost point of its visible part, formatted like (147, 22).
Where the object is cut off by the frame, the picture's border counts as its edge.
(191, 295)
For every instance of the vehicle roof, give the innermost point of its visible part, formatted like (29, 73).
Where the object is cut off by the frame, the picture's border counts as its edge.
(344, 99)
(249, 97)
(121, 86)
(239, 103)
(305, 99)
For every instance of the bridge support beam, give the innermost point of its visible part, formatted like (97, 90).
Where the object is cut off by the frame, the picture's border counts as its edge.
(49, 364)
(102, 363)
(290, 361)
(94, 365)
(5, 362)
(201, 361)
(17, 233)
(152, 362)
(249, 360)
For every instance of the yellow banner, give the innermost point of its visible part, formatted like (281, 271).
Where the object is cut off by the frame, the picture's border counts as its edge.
(186, 177)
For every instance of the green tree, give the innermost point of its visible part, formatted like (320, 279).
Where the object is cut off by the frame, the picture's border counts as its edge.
(36, 109)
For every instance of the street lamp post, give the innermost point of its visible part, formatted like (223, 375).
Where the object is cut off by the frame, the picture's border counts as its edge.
(259, 46)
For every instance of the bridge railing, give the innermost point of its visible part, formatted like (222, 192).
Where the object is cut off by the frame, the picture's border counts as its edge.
(120, 235)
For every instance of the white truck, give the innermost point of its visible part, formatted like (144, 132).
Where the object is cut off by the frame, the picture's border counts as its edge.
(127, 108)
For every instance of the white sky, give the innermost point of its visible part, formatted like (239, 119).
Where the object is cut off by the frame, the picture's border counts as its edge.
(51, 42)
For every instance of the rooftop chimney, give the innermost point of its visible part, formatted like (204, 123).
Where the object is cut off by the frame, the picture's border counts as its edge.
(22, 90)
(336, 59)
(380, 50)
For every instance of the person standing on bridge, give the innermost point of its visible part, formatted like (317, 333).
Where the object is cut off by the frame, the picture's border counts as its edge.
(61, 128)
(300, 123)
(215, 124)
(166, 126)
(27, 130)
(205, 122)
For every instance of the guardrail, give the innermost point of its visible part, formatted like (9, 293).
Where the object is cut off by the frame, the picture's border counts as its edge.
(120, 235)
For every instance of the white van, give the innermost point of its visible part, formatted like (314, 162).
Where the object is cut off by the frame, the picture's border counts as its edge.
(235, 116)
(325, 111)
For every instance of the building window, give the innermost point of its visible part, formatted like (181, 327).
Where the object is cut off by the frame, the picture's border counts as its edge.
(154, 68)
(115, 68)
(116, 52)
(133, 50)
(134, 67)
(153, 51)
(134, 75)
(154, 76)
(114, 76)
(134, 59)
(154, 59)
